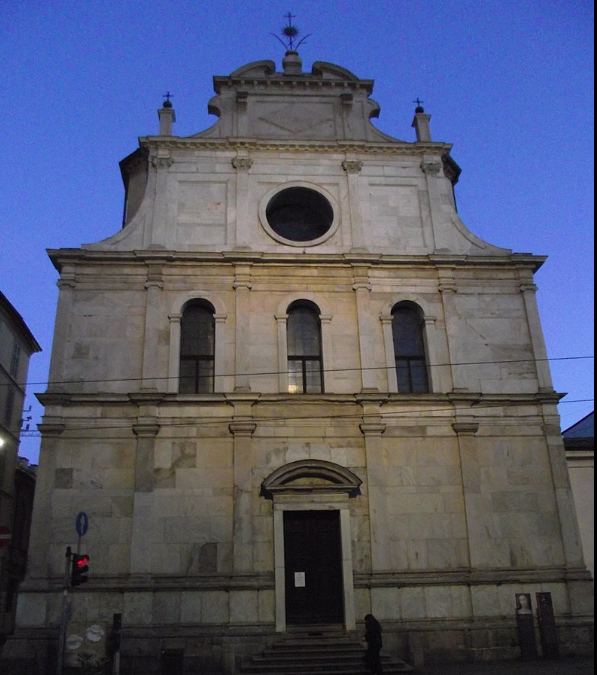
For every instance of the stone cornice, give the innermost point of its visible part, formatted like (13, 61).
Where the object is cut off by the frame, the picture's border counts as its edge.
(470, 577)
(153, 143)
(475, 400)
(61, 257)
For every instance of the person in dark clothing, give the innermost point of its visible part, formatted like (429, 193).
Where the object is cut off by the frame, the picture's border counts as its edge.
(374, 645)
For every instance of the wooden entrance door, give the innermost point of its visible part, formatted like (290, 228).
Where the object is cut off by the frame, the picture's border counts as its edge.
(313, 560)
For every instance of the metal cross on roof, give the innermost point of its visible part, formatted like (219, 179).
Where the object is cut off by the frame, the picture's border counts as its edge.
(418, 102)
(167, 96)
(290, 32)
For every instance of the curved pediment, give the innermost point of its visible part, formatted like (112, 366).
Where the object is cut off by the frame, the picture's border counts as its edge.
(263, 68)
(311, 475)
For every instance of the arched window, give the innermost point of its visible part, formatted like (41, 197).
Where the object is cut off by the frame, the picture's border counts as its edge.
(305, 364)
(197, 347)
(409, 349)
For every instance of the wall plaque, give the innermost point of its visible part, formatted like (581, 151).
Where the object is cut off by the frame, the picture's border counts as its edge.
(300, 580)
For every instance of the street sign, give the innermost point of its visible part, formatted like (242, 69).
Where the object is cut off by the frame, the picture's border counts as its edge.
(82, 524)
(5, 536)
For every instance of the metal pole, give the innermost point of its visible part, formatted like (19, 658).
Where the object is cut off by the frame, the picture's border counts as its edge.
(116, 638)
(62, 636)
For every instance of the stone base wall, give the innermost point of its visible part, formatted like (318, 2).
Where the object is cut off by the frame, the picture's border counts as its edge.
(220, 650)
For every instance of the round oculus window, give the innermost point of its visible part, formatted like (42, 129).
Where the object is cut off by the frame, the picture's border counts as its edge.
(299, 215)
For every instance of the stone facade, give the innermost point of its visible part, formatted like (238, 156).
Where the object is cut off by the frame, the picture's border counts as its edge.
(448, 501)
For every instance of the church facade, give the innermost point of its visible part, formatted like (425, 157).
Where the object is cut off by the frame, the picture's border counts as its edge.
(293, 390)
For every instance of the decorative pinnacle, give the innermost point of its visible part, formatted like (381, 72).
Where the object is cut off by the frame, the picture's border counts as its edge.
(290, 33)
(419, 108)
(167, 102)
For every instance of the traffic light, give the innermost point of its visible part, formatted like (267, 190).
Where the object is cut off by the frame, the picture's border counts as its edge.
(79, 569)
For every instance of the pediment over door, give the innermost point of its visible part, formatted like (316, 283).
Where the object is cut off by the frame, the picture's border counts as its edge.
(311, 476)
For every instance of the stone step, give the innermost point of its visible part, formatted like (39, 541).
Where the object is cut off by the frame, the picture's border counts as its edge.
(317, 655)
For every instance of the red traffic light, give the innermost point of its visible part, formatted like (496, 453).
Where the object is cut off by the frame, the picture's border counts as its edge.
(79, 569)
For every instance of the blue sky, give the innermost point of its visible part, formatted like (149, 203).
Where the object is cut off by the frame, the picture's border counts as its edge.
(509, 83)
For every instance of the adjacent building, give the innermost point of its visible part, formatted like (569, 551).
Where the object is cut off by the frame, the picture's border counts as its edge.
(295, 389)
(579, 442)
(17, 483)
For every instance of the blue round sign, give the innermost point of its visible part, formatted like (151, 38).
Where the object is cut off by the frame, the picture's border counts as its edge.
(82, 524)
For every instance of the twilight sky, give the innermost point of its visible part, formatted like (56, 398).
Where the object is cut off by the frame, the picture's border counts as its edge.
(508, 82)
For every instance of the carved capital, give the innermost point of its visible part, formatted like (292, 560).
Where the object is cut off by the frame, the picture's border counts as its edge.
(431, 168)
(242, 163)
(162, 162)
(146, 429)
(51, 428)
(465, 428)
(361, 286)
(242, 428)
(352, 165)
(372, 428)
(447, 286)
(525, 288)
(66, 280)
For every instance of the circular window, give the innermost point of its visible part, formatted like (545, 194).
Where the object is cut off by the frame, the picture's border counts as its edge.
(298, 215)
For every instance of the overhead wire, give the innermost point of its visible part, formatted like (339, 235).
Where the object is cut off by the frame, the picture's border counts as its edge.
(277, 372)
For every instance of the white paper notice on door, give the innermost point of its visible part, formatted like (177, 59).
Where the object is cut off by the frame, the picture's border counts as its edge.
(300, 580)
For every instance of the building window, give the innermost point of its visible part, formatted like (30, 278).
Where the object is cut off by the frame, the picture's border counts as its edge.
(409, 349)
(9, 407)
(15, 359)
(299, 214)
(305, 363)
(197, 348)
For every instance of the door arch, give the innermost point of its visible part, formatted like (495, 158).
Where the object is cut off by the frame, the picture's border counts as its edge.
(321, 492)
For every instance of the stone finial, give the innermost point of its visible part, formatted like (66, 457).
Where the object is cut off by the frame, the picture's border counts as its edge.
(421, 123)
(167, 116)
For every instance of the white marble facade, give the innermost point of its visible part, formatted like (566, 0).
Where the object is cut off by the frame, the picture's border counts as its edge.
(451, 501)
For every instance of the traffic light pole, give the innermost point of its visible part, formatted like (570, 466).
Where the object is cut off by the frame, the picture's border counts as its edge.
(64, 619)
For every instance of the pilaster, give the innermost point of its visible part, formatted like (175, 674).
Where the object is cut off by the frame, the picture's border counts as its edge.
(174, 354)
(282, 324)
(372, 429)
(454, 329)
(66, 284)
(367, 337)
(151, 369)
(388, 340)
(529, 294)
(563, 491)
(242, 165)
(242, 285)
(161, 163)
(476, 510)
(353, 167)
(146, 430)
(242, 428)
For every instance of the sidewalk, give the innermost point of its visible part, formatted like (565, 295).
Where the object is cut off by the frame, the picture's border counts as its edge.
(571, 666)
